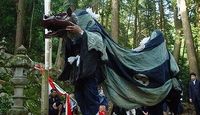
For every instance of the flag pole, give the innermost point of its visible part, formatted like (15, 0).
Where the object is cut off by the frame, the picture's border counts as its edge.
(48, 65)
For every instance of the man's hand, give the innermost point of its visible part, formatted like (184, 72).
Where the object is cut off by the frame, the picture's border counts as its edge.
(60, 107)
(75, 29)
(190, 100)
(145, 113)
(54, 106)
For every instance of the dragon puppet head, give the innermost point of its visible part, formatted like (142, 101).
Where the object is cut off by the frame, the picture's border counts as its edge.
(56, 24)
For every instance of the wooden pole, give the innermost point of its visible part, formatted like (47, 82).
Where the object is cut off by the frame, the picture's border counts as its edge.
(44, 94)
(48, 49)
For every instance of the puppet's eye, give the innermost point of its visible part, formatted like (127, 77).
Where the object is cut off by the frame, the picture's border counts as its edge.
(89, 24)
(142, 79)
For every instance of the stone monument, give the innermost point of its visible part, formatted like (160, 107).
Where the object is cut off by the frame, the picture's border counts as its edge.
(21, 63)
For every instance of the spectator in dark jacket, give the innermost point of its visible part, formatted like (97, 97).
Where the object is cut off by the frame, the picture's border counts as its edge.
(194, 92)
(55, 105)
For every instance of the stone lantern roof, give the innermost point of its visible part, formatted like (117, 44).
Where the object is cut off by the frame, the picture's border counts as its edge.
(21, 59)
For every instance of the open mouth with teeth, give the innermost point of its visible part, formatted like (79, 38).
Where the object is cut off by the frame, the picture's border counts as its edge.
(56, 24)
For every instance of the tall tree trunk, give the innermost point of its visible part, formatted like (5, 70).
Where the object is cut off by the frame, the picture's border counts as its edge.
(20, 23)
(102, 12)
(135, 37)
(198, 24)
(107, 14)
(128, 26)
(161, 9)
(127, 35)
(177, 45)
(188, 37)
(115, 20)
(183, 52)
(178, 26)
(31, 25)
(139, 33)
(148, 18)
(58, 61)
(108, 8)
(155, 17)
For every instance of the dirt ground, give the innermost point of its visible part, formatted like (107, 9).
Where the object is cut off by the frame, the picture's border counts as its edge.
(188, 109)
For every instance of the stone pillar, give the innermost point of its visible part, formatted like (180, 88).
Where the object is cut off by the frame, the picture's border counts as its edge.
(21, 63)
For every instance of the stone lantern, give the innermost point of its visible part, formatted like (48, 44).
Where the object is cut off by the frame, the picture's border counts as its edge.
(21, 64)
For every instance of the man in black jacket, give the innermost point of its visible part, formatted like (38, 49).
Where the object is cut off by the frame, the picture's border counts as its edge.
(83, 62)
(194, 92)
(55, 105)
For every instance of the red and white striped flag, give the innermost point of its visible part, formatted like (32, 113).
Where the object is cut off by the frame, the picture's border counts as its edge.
(53, 85)
(68, 109)
(60, 91)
